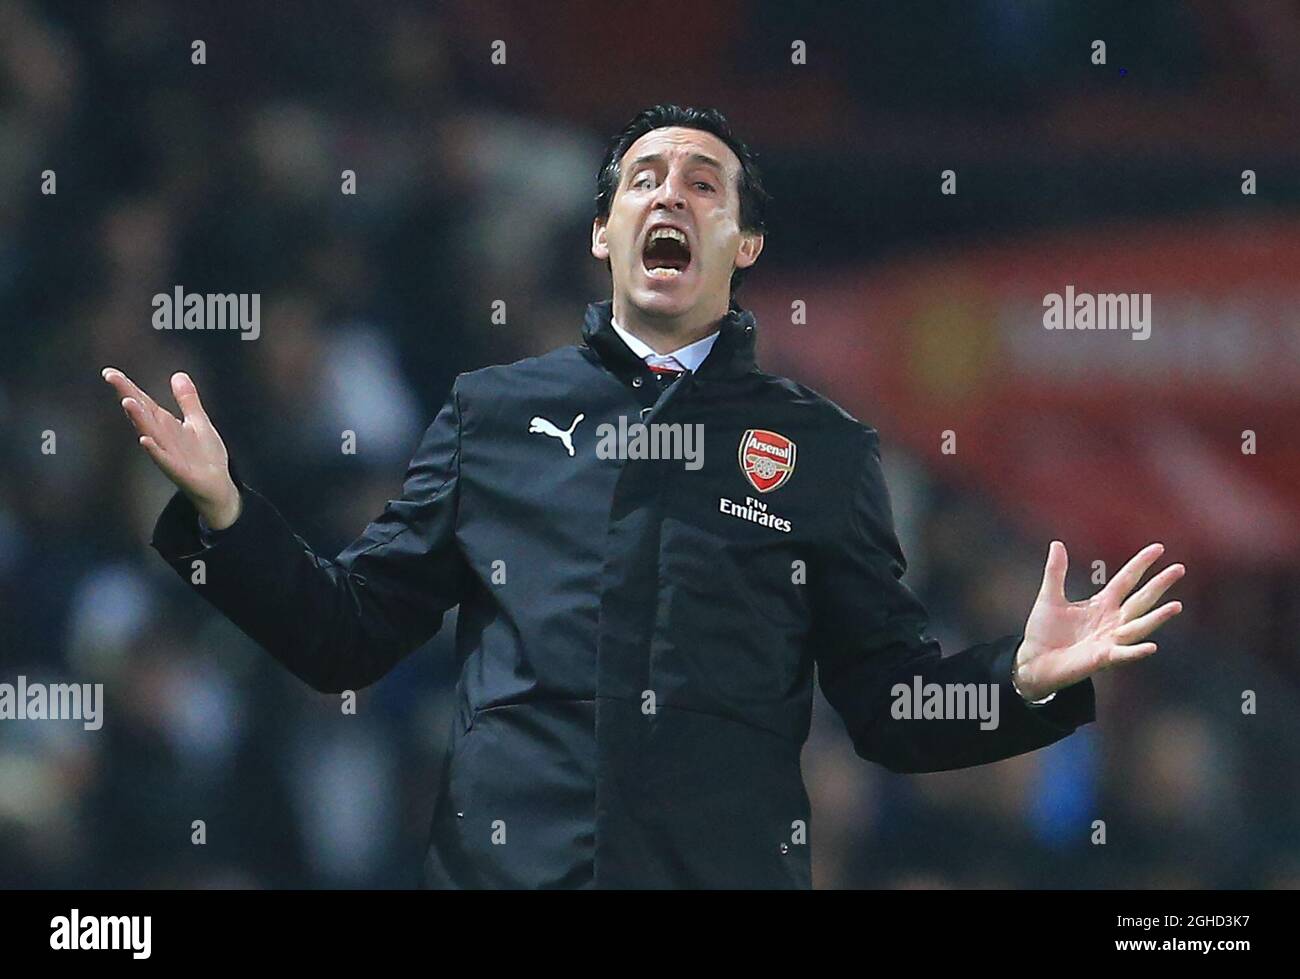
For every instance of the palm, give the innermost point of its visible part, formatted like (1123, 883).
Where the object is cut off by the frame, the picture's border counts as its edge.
(189, 451)
(1065, 642)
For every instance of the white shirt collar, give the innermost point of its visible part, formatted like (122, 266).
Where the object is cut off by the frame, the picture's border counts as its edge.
(689, 357)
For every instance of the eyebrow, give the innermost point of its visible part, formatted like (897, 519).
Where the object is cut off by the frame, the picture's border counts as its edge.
(694, 158)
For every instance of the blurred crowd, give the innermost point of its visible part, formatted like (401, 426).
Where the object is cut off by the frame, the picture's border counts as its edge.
(475, 185)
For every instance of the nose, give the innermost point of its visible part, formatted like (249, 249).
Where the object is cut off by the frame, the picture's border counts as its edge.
(671, 194)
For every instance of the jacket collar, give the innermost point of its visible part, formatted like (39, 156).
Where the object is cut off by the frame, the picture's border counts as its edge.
(732, 353)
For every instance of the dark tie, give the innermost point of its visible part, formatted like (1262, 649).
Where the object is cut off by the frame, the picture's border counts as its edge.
(664, 376)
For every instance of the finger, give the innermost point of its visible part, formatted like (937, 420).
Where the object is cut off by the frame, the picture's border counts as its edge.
(153, 448)
(1054, 572)
(150, 424)
(143, 421)
(1129, 654)
(1132, 573)
(127, 388)
(1148, 623)
(123, 385)
(187, 396)
(160, 457)
(1145, 597)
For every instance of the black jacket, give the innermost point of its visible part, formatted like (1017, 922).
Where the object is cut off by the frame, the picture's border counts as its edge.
(636, 638)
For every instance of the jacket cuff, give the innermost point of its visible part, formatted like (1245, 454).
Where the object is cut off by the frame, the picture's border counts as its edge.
(1072, 706)
(181, 533)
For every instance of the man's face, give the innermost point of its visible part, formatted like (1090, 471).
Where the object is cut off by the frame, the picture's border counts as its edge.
(682, 179)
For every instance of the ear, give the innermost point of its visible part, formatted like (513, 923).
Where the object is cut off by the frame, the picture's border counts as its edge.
(599, 243)
(750, 246)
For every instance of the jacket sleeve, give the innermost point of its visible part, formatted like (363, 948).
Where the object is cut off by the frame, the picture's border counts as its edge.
(870, 635)
(337, 624)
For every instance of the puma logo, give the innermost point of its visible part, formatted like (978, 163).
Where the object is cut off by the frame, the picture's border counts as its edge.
(540, 426)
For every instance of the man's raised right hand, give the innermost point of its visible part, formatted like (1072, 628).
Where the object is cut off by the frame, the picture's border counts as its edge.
(190, 452)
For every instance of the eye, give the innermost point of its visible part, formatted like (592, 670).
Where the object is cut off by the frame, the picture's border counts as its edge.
(638, 181)
(704, 184)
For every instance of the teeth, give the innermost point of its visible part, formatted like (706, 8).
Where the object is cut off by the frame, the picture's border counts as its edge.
(667, 233)
(663, 273)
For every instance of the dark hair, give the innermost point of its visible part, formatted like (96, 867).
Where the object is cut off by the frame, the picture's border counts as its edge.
(753, 198)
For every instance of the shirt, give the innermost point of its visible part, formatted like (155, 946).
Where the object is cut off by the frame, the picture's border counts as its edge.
(687, 358)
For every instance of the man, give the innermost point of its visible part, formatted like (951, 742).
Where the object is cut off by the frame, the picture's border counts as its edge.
(638, 636)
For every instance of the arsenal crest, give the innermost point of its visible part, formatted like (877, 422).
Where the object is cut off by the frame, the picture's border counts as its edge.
(766, 459)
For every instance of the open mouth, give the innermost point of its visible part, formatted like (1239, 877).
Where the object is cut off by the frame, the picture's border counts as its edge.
(667, 253)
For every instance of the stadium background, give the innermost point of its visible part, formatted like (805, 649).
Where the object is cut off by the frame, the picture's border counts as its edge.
(474, 185)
